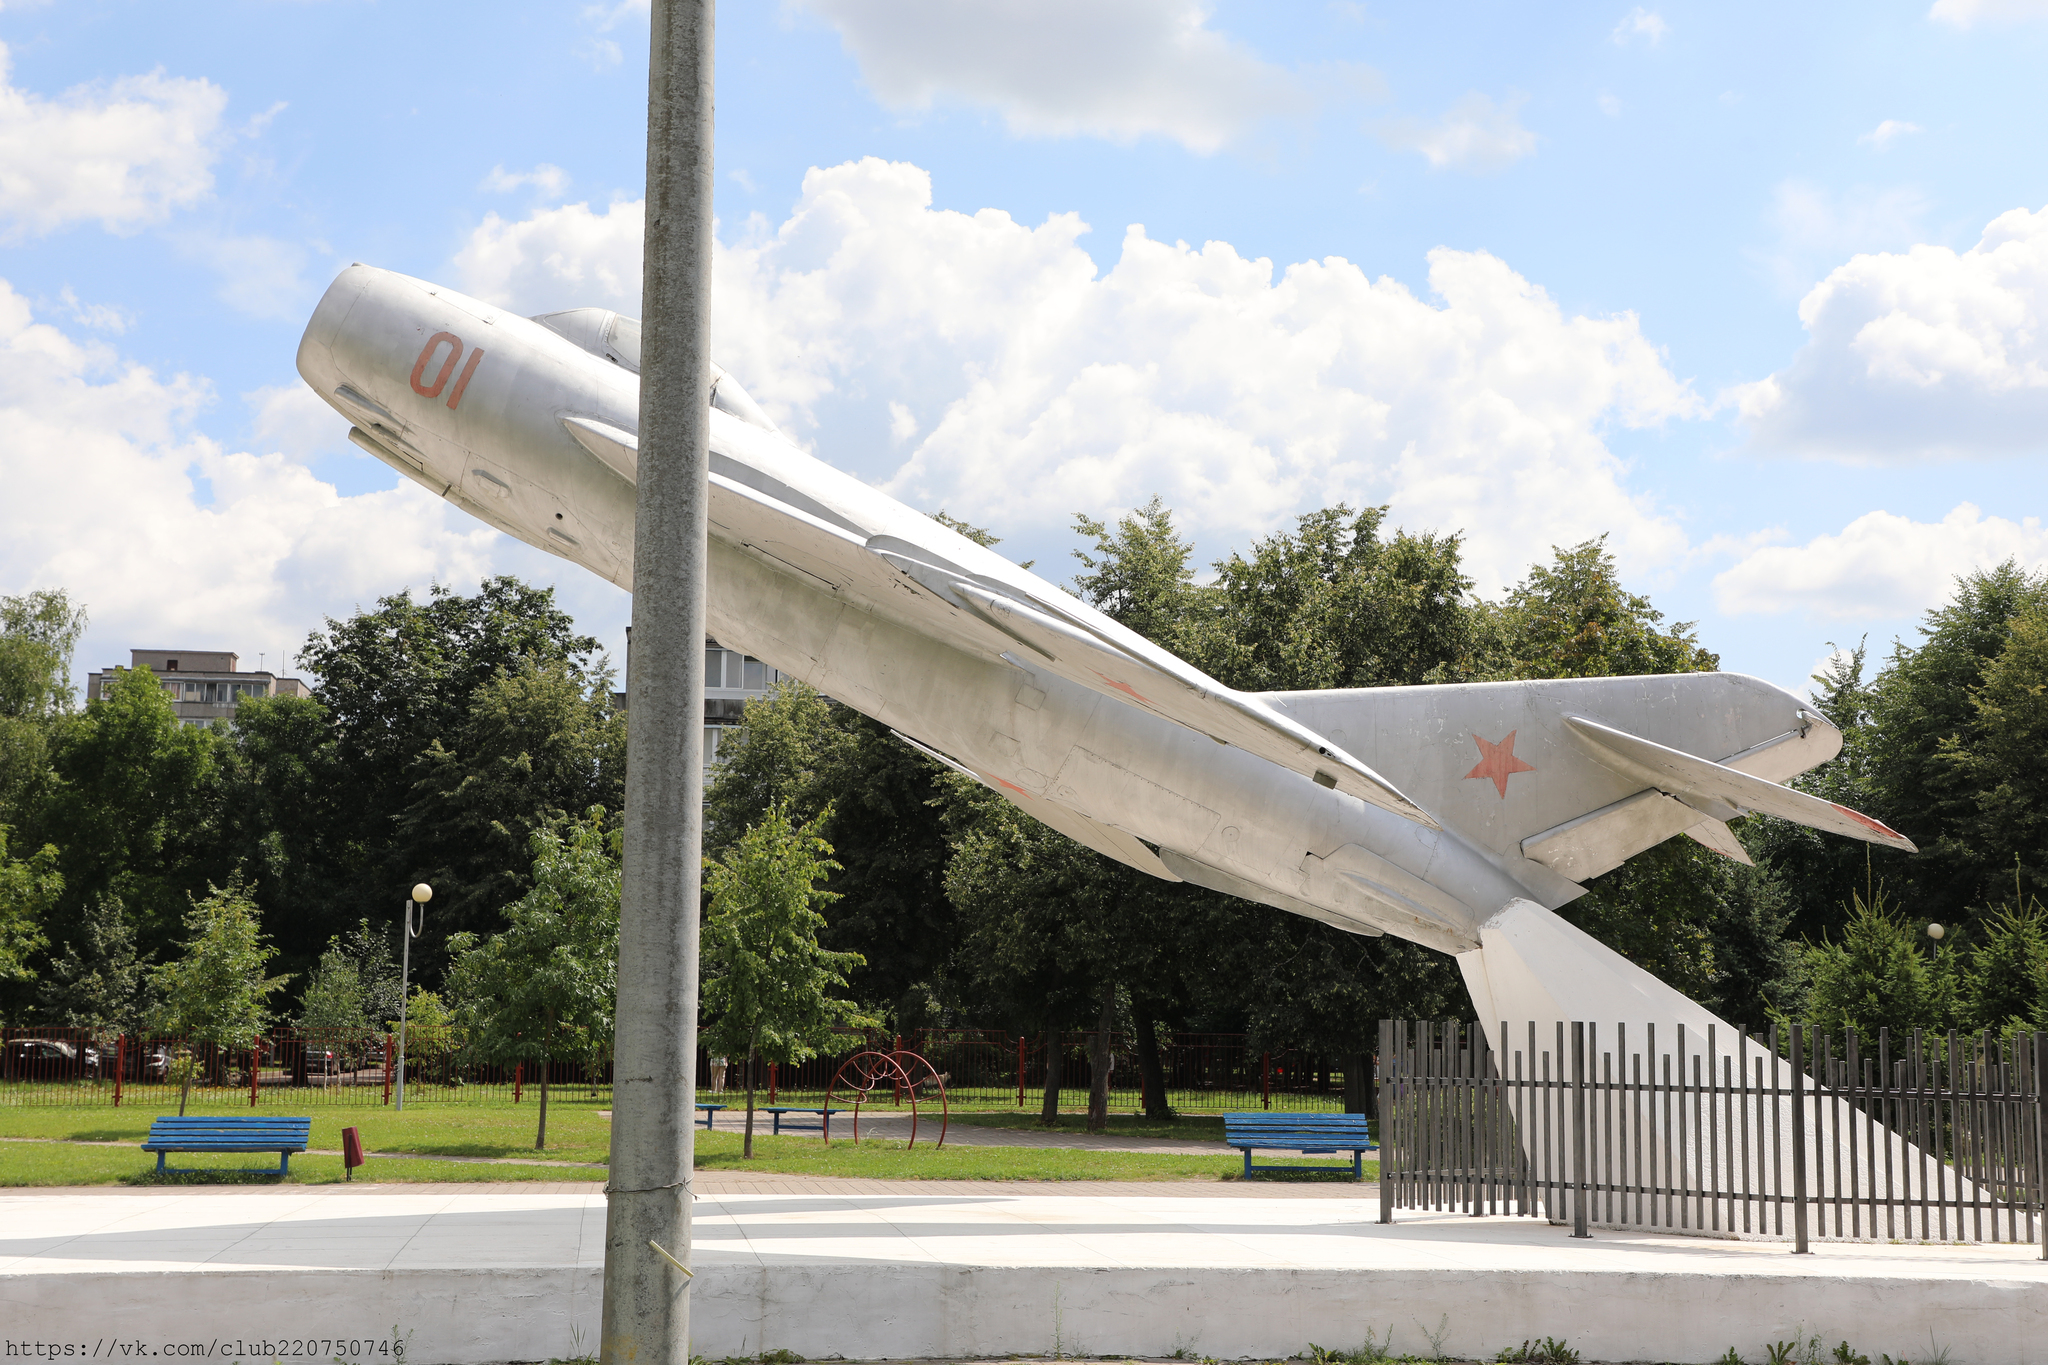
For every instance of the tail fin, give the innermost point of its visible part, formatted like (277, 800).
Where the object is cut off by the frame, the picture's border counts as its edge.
(1579, 774)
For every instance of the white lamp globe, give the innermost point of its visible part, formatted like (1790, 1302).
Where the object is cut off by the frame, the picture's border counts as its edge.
(1935, 931)
(423, 893)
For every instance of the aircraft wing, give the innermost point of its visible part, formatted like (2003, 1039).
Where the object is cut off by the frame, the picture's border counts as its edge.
(1157, 681)
(1107, 840)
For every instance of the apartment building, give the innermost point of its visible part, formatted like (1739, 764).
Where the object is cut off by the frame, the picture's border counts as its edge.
(205, 685)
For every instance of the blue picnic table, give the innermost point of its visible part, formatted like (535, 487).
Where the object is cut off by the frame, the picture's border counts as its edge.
(711, 1112)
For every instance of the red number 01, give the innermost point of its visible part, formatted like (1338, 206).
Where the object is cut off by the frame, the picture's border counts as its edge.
(419, 368)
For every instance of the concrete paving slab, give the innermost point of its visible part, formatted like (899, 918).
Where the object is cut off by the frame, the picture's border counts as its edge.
(480, 1274)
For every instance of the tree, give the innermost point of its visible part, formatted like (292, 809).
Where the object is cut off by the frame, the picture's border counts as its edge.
(1876, 976)
(1573, 619)
(1936, 748)
(768, 983)
(352, 992)
(2007, 982)
(38, 633)
(131, 808)
(1999, 759)
(536, 742)
(395, 679)
(876, 799)
(216, 991)
(28, 888)
(1333, 604)
(105, 986)
(545, 987)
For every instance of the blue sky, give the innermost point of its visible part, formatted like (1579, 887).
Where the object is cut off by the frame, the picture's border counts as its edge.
(1760, 292)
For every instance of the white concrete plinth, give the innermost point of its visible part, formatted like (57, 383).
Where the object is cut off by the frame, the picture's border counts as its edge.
(472, 1278)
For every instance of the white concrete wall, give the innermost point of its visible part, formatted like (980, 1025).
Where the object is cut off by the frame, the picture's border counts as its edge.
(465, 1317)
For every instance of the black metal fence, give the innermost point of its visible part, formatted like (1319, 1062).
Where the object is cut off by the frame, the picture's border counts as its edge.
(1943, 1138)
(985, 1069)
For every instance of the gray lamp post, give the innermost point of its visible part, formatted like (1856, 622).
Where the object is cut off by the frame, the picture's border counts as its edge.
(409, 931)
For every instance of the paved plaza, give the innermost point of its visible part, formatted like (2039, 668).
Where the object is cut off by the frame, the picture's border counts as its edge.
(830, 1267)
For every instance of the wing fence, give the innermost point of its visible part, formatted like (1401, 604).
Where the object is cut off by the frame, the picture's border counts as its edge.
(1800, 1134)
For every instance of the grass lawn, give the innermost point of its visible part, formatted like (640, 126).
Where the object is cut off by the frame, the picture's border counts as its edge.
(576, 1133)
(1186, 1128)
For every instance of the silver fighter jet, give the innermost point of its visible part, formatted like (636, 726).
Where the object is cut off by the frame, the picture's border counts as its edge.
(1455, 816)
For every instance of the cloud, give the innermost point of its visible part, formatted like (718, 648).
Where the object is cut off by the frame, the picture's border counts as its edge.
(1814, 228)
(1241, 394)
(567, 257)
(101, 317)
(1117, 69)
(292, 420)
(1609, 106)
(1476, 134)
(259, 275)
(1640, 23)
(549, 180)
(1880, 565)
(124, 153)
(1928, 353)
(1966, 14)
(1885, 133)
(167, 537)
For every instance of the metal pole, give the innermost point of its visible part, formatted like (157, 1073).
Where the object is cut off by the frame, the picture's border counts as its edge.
(1579, 1130)
(647, 1225)
(1799, 1139)
(404, 989)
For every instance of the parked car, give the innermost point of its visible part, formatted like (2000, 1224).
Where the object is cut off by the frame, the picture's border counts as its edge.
(38, 1059)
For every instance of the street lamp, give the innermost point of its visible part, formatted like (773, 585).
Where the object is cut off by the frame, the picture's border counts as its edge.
(421, 894)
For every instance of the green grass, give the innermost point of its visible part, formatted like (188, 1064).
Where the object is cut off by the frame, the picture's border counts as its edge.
(575, 1133)
(1187, 1128)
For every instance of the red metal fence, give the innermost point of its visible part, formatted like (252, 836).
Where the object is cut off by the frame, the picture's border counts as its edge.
(982, 1068)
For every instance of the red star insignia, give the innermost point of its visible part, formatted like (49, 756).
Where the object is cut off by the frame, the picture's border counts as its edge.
(1497, 762)
(1122, 686)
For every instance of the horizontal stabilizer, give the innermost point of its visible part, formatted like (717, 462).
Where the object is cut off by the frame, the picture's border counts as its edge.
(1698, 781)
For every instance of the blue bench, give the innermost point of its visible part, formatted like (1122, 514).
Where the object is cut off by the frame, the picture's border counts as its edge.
(823, 1125)
(211, 1133)
(1309, 1134)
(711, 1112)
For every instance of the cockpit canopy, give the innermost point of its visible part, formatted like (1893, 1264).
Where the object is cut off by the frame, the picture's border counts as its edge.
(616, 337)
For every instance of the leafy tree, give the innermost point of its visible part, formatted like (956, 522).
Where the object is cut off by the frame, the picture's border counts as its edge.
(351, 993)
(105, 985)
(288, 819)
(1936, 747)
(1876, 975)
(394, 680)
(1334, 605)
(28, 887)
(132, 808)
(871, 795)
(216, 990)
(38, 634)
(1573, 619)
(1999, 756)
(768, 983)
(536, 742)
(545, 987)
